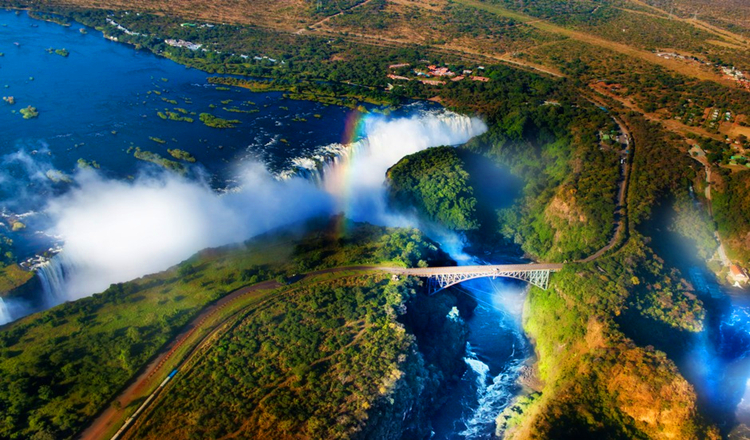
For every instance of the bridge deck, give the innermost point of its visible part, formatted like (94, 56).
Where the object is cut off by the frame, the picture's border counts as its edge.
(440, 278)
(431, 271)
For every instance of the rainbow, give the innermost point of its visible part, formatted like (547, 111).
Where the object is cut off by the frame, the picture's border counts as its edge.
(354, 130)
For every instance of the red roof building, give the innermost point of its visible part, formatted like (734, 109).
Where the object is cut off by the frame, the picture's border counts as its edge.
(737, 274)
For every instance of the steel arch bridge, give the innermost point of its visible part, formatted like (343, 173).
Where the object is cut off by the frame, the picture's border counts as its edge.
(439, 278)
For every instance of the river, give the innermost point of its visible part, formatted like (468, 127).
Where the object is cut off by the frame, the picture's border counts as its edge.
(497, 346)
(716, 361)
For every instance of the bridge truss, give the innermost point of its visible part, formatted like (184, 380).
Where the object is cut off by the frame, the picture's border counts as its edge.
(536, 277)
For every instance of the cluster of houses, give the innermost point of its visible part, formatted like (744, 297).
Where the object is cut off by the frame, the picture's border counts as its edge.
(423, 75)
(676, 56)
(121, 28)
(729, 72)
(193, 25)
(183, 43)
(737, 75)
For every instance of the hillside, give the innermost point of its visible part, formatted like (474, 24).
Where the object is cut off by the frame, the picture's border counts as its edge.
(60, 368)
(325, 360)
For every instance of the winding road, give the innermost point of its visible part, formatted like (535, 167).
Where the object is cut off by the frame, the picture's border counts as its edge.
(621, 209)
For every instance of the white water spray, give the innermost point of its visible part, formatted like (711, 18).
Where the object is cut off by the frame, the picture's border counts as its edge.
(354, 174)
(492, 398)
(53, 275)
(479, 368)
(5, 316)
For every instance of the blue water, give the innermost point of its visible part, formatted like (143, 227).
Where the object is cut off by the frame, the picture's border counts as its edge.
(497, 349)
(102, 100)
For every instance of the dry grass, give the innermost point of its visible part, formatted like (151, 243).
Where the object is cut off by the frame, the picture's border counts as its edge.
(280, 14)
(684, 68)
(708, 12)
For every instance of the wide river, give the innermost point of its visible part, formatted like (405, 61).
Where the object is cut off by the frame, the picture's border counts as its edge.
(101, 102)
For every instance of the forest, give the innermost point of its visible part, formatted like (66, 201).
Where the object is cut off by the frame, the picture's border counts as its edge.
(60, 367)
(287, 369)
(731, 207)
(435, 183)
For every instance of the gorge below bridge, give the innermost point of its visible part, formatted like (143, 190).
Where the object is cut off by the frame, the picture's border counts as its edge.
(439, 278)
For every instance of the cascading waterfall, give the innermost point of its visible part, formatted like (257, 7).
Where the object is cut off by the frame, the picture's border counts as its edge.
(5, 316)
(351, 175)
(53, 275)
(354, 172)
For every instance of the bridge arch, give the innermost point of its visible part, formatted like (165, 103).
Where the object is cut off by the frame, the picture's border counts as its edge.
(439, 278)
(438, 282)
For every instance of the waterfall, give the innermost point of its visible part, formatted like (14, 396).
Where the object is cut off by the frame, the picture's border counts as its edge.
(53, 274)
(384, 142)
(354, 173)
(5, 316)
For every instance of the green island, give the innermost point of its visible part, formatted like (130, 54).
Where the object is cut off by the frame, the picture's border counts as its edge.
(62, 52)
(176, 115)
(216, 122)
(84, 164)
(29, 112)
(239, 110)
(181, 155)
(157, 159)
(14, 281)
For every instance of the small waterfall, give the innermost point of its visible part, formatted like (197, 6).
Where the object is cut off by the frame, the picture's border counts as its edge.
(5, 316)
(324, 162)
(53, 274)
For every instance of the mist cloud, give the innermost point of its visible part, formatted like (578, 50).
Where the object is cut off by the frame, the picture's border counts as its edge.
(358, 183)
(115, 231)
